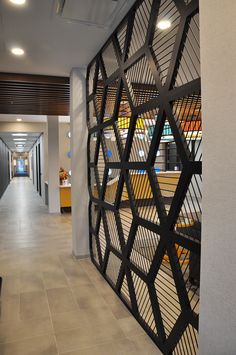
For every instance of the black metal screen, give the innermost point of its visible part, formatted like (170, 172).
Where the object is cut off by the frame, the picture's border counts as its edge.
(144, 159)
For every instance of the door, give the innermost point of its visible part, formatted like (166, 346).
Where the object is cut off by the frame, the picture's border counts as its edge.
(39, 170)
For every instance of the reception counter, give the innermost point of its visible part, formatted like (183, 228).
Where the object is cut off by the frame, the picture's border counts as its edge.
(141, 187)
(65, 195)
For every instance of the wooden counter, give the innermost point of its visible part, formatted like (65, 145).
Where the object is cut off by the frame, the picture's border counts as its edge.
(167, 181)
(65, 195)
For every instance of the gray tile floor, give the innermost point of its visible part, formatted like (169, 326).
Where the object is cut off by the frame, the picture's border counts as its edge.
(52, 303)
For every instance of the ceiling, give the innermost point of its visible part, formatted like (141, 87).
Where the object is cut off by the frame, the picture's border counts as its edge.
(34, 94)
(28, 141)
(53, 43)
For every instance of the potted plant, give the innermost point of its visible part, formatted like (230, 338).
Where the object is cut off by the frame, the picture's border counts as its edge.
(63, 176)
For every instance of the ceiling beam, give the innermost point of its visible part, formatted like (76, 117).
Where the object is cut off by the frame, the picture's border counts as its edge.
(31, 78)
(34, 94)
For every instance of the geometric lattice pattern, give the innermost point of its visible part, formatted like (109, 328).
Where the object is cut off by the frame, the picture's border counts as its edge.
(144, 162)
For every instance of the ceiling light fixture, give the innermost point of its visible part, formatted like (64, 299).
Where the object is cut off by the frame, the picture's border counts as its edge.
(19, 119)
(164, 24)
(19, 134)
(19, 139)
(18, 2)
(17, 51)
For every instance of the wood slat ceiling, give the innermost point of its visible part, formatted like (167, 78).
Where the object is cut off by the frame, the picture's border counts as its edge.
(34, 94)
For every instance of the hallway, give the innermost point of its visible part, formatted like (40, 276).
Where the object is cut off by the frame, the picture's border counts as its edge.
(52, 303)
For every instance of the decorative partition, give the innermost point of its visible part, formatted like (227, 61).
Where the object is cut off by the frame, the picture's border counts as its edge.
(144, 162)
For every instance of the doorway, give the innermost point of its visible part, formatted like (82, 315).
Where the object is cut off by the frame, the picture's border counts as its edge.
(38, 157)
(20, 163)
(21, 167)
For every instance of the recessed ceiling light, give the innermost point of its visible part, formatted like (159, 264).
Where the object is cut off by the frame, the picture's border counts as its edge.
(164, 24)
(19, 119)
(19, 139)
(17, 51)
(18, 2)
(20, 145)
(19, 134)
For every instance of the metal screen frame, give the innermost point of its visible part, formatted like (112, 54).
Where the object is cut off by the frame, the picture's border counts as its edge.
(168, 89)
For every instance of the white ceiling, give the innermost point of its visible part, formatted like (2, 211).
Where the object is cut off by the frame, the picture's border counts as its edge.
(53, 45)
(31, 118)
(28, 141)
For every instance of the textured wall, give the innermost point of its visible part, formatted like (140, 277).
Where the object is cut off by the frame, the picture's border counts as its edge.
(218, 276)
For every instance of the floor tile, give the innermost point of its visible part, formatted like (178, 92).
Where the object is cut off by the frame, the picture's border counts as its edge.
(88, 297)
(10, 308)
(33, 305)
(31, 281)
(43, 345)
(51, 300)
(82, 337)
(54, 279)
(11, 285)
(120, 347)
(119, 310)
(69, 320)
(23, 329)
(143, 342)
(61, 300)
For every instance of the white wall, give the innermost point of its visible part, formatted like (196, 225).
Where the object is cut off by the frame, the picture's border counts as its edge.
(53, 164)
(218, 261)
(42, 150)
(79, 188)
(64, 146)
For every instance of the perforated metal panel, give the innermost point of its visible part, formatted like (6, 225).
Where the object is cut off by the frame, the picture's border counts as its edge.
(144, 159)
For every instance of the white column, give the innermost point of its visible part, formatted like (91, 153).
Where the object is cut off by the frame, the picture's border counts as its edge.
(218, 261)
(79, 189)
(53, 164)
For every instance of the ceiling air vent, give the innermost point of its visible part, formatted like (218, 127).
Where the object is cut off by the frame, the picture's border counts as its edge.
(101, 13)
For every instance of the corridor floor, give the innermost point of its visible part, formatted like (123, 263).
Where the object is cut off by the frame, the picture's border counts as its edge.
(52, 303)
